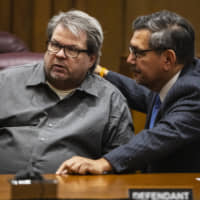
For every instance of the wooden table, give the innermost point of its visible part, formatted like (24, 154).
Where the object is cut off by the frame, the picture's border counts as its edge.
(111, 186)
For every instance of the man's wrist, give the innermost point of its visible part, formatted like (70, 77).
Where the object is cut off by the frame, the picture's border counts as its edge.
(106, 166)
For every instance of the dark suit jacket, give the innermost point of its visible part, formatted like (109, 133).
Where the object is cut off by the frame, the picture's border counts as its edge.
(173, 145)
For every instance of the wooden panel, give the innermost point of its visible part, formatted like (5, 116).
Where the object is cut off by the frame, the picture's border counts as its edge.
(109, 13)
(42, 14)
(22, 16)
(5, 15)
(62, 5)
(81, 4)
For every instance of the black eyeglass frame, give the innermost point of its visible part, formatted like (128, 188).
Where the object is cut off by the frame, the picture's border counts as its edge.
(140, 52)
(66, 48)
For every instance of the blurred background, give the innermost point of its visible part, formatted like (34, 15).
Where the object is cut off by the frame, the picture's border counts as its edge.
(27, 19)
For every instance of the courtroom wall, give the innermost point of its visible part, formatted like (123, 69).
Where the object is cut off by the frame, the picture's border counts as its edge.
(28, 19)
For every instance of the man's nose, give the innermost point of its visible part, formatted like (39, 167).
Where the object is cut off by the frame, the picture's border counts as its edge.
(131, 58)
(61, 53)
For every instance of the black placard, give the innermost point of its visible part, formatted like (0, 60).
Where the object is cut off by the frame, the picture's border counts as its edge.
(160, 194)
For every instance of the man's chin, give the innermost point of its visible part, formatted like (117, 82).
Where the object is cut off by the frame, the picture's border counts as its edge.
(58, 76)
(139, 81)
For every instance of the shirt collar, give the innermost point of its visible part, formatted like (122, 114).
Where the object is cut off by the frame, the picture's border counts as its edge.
(168, 86)
(89, 85)
(38, 77)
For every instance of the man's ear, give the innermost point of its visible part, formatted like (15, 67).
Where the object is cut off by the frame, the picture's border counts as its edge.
(93, 59)
(169, 59)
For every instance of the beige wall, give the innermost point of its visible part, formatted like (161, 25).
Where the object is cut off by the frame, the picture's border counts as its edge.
(28, 20)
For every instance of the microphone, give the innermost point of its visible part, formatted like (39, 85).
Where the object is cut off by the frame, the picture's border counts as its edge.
(30, 173)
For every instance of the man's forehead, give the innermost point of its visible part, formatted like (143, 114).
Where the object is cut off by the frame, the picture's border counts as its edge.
(60, 28)
(140, 37)
(64, 34)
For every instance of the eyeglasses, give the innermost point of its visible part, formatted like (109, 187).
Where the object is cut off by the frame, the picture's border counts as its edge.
(70, 51)
(138, 52)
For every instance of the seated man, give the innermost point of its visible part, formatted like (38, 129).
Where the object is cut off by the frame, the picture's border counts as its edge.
(56, 109)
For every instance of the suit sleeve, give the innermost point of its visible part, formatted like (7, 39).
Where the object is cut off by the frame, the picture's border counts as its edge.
(137, 96)
(178, 126)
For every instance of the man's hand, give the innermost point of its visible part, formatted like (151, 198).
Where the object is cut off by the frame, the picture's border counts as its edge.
(81, 165)
(100, 70)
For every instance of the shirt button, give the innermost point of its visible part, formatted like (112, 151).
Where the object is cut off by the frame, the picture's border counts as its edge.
(50, 125)
(42, 139)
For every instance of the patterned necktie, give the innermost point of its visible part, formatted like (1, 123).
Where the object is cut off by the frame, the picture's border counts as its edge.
(155, 109)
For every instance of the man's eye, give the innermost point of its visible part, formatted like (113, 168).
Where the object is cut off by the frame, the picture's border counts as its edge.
(140, 53)
(55, 45)
(71, 49)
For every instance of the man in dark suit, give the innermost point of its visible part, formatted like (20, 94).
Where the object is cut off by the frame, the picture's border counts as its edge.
(162, 56)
